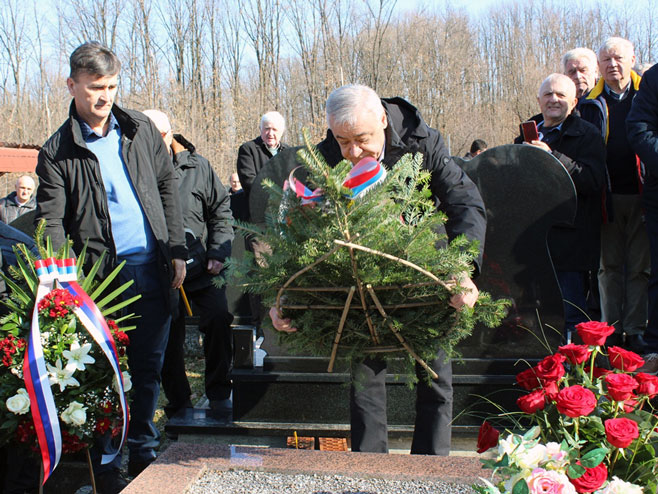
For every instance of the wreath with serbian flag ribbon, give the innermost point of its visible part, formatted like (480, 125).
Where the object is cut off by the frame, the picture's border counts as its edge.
(63, 375)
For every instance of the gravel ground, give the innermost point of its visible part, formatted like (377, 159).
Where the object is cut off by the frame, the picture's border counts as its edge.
(252, 482)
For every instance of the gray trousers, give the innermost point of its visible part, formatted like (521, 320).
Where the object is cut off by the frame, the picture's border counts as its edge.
(625, 266)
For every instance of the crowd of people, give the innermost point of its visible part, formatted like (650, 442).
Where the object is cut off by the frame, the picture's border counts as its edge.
(123, 182)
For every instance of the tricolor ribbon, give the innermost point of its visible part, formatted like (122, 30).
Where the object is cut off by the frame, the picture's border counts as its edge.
(362, 177)
(366, 174)
(42, 403)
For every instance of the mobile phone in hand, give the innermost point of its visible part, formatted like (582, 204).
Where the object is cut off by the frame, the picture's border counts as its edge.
(529, 130)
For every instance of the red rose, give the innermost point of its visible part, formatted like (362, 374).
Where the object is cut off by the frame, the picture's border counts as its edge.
(575, 401)
(648, 384)
(594, 333)
(551, 368)
(532, 402)
(630, 404)
(528, 379)
(592, 479)
(621, 432)
(620, 386)
(487, 437)
(551, 390)
(598, 371)
(577, 354)
(624, 360)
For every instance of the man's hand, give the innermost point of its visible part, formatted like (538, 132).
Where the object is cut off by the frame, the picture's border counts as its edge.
(179, 273)
(467, 297)
(214, 266)
(279, 323)
(541, 145)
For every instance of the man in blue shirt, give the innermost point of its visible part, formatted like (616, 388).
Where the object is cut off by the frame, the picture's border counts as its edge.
(107, 179)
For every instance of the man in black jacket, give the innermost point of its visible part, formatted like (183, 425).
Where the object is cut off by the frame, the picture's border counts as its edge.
(625, 251)
(207, 218)
(363, 125)
(578, 145)
(642, 126)
(106, 179)
(253, 155)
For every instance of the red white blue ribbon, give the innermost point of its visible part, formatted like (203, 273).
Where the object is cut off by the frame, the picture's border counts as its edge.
(362, 177)
(366, 174)
(42, 403)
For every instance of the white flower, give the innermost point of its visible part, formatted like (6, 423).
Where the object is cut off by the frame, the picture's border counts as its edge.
(618, 486)
(557, 457)
(75, 414)
(78, 356)
(58, 375)
(530, 458)
(19, 403)
(127, 382)
(509, 445)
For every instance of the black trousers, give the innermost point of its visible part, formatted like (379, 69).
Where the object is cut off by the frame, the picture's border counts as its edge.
(210, 304)
(432, 430)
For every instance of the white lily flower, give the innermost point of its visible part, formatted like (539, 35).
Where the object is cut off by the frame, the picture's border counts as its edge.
(61, 376)
(78, 356)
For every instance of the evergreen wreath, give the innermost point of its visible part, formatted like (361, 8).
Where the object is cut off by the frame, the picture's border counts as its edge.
(372, 275)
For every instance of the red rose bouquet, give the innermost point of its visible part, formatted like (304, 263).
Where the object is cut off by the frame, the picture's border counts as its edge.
(61, 360)
(582, 428)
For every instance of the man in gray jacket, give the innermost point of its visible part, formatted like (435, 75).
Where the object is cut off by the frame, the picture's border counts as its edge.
(105, 178)
(18, 202)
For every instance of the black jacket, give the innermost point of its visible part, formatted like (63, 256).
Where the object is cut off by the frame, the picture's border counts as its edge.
(252, 156)
(205, 202)
(581, 150)
(642, 127)
(10, 209)
(72, 199)
(454, 193)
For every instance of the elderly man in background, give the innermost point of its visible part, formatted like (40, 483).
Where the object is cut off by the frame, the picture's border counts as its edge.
(577, 144)
(209, 233)
(580, 65)
(362, 125)
(106, 182)
(20, 201)
(253, 155)
(625, 262)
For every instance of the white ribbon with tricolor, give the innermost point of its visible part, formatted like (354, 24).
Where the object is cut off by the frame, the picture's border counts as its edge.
(362, 177)
(42, 403)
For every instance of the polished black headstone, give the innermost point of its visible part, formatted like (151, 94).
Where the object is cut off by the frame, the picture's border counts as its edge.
(526, 191)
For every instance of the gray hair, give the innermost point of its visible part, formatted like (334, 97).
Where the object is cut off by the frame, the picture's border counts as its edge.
(344, 102)
(616, 42)
(94, 58)
(273, 117)
(577, 54)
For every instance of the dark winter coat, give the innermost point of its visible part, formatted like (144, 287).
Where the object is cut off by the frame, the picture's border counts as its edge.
(581, 150)
(594, 109)
(642, 126)
(10, 209)
(252, 156)
(72, 198)
(454, 193)
(205, 204)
